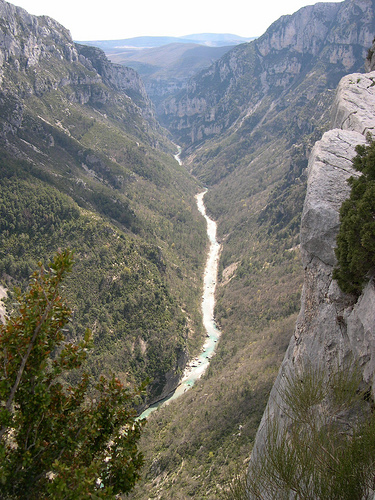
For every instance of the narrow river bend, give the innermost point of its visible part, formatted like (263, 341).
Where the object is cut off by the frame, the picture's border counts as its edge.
(198, 366)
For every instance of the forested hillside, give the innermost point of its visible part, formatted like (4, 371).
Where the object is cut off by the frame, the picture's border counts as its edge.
(85, 165)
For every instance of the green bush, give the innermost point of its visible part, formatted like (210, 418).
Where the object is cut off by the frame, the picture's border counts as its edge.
(59, 440)
(355, 250)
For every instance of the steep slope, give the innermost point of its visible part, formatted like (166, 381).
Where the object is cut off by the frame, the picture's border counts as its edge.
(84, 164)
(332, 326)
(322, 40)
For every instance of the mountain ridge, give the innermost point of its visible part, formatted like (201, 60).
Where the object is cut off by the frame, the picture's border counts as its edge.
(298, 39)
(210, 39)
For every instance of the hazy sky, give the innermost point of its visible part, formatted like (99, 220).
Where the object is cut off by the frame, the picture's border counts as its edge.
(116, 19)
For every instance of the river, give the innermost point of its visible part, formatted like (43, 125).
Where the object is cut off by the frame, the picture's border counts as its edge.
(199, 365)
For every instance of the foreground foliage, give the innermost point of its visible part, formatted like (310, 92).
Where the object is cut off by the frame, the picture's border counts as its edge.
(356, 239)
(59, 440)
(326, 448)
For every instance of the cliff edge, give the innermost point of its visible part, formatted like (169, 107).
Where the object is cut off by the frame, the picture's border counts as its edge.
(332, 326)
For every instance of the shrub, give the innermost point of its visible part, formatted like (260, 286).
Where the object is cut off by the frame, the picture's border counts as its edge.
(355, 250)
(325, 450)
(59, 440)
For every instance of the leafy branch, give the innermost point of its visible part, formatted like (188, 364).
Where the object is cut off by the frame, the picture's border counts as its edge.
(58, 439)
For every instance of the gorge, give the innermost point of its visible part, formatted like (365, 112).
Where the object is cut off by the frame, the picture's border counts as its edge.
(248, 125)
(270, 130)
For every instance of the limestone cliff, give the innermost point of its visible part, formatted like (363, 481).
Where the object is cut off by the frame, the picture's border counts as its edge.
(331, 325)
(38, 55)
(370, 60)
(116, 76)
(317, 45)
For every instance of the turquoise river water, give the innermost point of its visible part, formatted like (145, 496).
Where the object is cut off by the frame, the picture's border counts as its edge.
(199, 365)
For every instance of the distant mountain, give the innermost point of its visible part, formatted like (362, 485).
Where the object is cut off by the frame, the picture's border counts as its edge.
(209, 39)
(165, 64)
(179, 59)
(218, 39)
(166, 70)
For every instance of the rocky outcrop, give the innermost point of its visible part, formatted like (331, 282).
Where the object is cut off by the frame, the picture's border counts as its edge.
(115, 75)
(354, 103)
(168, 383)
(331, 326)
(26, 39)
(329, 167)
(302, 32)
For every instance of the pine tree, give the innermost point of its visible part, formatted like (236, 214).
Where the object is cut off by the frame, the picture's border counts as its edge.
(59, 440)
(355, 250)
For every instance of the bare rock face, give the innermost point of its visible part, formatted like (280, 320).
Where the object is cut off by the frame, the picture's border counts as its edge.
(370, 60)
(320, 336)
(303, 32)
(331, 325)
(298, 57)
(329, 168)
(332, 319)
(116, 76)
(28, 38)
(354, 103)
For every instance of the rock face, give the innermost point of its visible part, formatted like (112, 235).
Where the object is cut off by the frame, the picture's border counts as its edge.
(331, 326)
(354, 103)
(116, 76)
(40, 55)
(317, 45)
(370, 60)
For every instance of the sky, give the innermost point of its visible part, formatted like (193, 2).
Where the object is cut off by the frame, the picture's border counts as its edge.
(118, 19)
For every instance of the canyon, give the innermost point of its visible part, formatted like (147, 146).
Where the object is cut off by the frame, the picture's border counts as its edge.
(270, 129)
